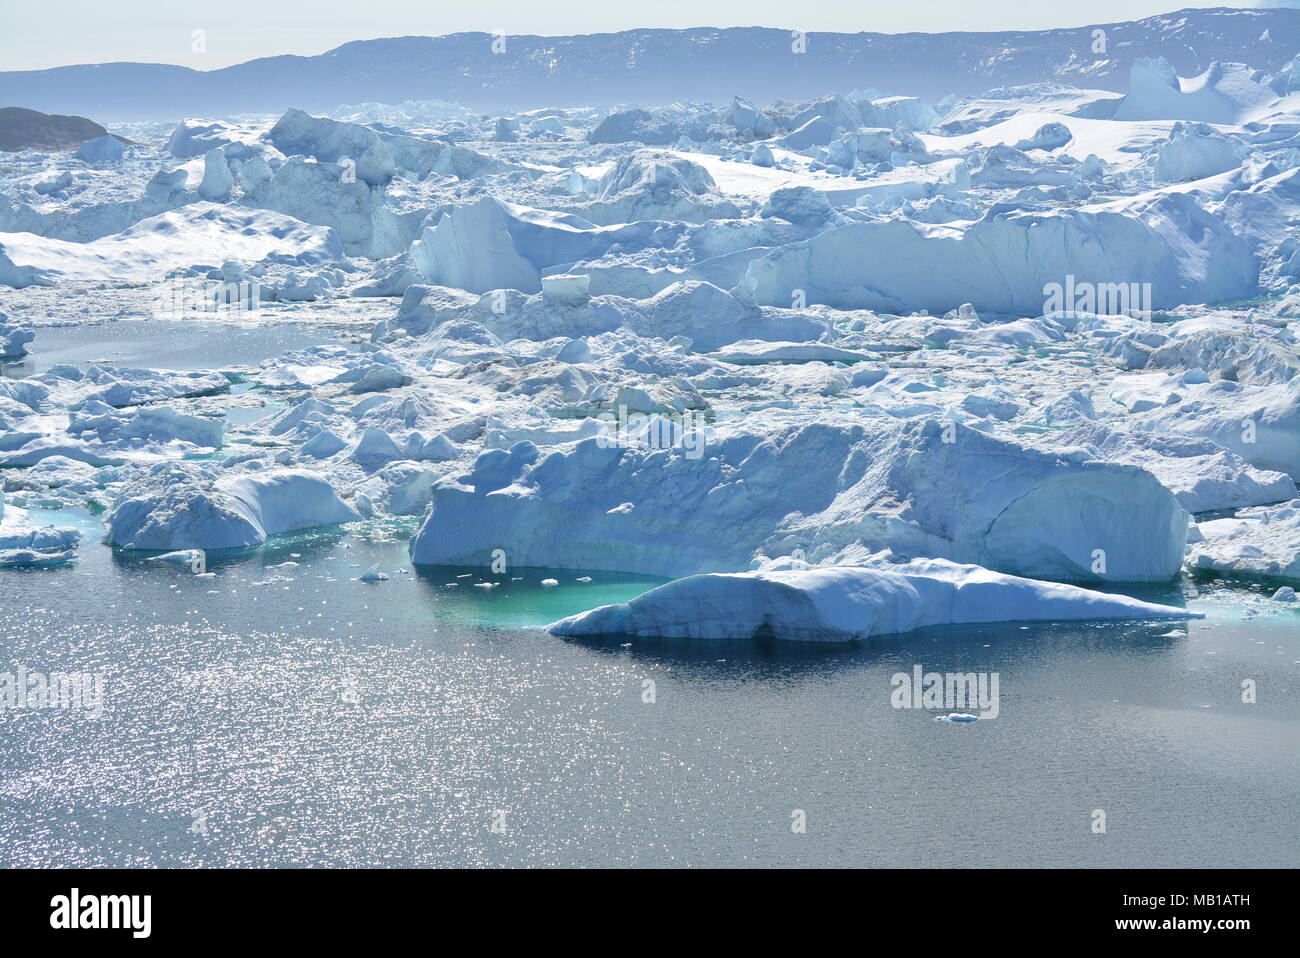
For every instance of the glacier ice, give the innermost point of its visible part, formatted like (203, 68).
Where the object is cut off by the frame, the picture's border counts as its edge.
(14, 338)
(145, 252)
(1004, 262)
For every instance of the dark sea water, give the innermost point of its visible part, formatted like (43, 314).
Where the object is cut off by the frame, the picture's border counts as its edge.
(290, 715)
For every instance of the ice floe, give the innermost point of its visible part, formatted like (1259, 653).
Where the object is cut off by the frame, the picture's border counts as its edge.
(847, 604)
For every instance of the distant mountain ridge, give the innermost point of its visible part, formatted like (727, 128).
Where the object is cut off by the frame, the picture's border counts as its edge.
(660, 66)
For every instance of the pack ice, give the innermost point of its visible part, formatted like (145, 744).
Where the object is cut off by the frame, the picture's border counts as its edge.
(839, 366)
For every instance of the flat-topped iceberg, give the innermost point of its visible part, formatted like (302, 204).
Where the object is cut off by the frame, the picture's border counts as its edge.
(848, 603)
(1005, 262)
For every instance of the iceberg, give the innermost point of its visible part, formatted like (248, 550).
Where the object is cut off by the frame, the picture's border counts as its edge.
(177, 506)
(1008, 261)
(1222, 94)
(29, 544)
(717, 504)
(201, 233)
(14, 338)
(101, 150)
(849, 604)
(1261, 424)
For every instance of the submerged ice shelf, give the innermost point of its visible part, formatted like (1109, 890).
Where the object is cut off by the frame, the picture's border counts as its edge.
(841, 367)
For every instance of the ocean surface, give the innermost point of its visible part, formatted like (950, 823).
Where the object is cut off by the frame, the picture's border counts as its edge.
(279, 712)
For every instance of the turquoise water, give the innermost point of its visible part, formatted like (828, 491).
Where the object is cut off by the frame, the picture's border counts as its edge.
(272, 714)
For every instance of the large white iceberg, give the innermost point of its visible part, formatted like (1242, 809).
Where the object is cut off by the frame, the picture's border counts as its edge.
(1221, 94)
(919, 489)
(1009, 260)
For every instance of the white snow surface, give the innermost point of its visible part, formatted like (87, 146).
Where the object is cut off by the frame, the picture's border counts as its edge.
(1257, 543)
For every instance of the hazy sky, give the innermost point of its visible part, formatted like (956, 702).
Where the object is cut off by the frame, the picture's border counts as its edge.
(35, 34)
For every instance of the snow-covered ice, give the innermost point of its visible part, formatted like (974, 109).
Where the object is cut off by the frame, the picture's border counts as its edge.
(821, 488)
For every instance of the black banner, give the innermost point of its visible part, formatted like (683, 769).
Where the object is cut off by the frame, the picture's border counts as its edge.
(335, 908)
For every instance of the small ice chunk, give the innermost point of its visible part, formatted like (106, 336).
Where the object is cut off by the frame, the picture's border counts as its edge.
(181, 557)
(34, 559)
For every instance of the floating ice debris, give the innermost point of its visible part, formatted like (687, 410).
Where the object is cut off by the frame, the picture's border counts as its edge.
(30, 558)
(957, 717)
(373, 575)
(549, 583)
(186, 557)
